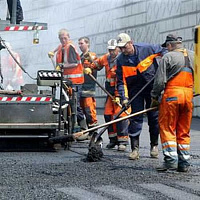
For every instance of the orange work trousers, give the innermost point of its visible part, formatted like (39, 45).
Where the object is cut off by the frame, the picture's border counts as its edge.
(88, 105)
(118, 132)
(175, 114)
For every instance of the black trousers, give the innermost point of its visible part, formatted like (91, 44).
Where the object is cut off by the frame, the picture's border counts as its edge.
(19, 11)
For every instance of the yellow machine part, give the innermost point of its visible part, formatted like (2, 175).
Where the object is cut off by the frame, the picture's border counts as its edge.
(197, 60)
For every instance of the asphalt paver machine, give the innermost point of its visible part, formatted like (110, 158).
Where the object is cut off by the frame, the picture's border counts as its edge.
(34, 113)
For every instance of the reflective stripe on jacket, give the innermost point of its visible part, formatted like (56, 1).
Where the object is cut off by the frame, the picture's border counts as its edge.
(75, 74)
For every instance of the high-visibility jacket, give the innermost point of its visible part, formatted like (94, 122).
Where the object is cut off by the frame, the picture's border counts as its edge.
(117, 132)
(16, 70)
(137, 69)
(11, 71)
(110, 71)
(89, 86)
(74, 74)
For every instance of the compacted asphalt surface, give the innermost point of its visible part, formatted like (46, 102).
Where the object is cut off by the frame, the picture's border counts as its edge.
(64, 174)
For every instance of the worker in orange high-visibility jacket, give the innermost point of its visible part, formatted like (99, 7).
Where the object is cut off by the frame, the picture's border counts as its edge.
(88, 101)
(12, 72)
(136, 66)
(73, 69)
(118, 133)
(175, 77)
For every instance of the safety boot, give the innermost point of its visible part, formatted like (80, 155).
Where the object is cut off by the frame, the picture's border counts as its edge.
(166, 166)
(154, 151)
(154, 146)
(122, 147)
(135, 148)
(183, 168)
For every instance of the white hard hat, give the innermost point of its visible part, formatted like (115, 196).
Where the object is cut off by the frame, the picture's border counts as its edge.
(112, 44)
(122, 39)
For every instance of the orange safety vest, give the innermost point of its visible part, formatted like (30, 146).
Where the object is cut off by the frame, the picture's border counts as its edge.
(11, 67)
(15, 68)
(74, 74)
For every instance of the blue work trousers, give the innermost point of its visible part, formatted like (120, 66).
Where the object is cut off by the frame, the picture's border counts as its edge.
(138, 104)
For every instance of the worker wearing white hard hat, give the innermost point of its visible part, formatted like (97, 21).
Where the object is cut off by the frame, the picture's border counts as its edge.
(117, 133)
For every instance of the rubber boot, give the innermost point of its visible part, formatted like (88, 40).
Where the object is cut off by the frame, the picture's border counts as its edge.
(165, 166)
(135, 148)
(113, 142)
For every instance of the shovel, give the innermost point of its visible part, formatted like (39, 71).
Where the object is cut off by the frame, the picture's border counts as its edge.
(95, 80)
(95, 147)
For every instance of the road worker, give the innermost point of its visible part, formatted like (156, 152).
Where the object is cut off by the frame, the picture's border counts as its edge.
(136, 66)
(73, 69)
(175, 78)
(88, 101)
(12, 72)
(118, 133)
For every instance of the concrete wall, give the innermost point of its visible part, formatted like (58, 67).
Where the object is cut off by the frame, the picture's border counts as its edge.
(145, 20)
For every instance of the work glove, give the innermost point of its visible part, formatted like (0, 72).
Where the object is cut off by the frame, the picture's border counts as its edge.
(125, 103)
(51, 54)
(87, 70)
(116, 100)
(58, 68)
(87, 64)
(154, 102)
